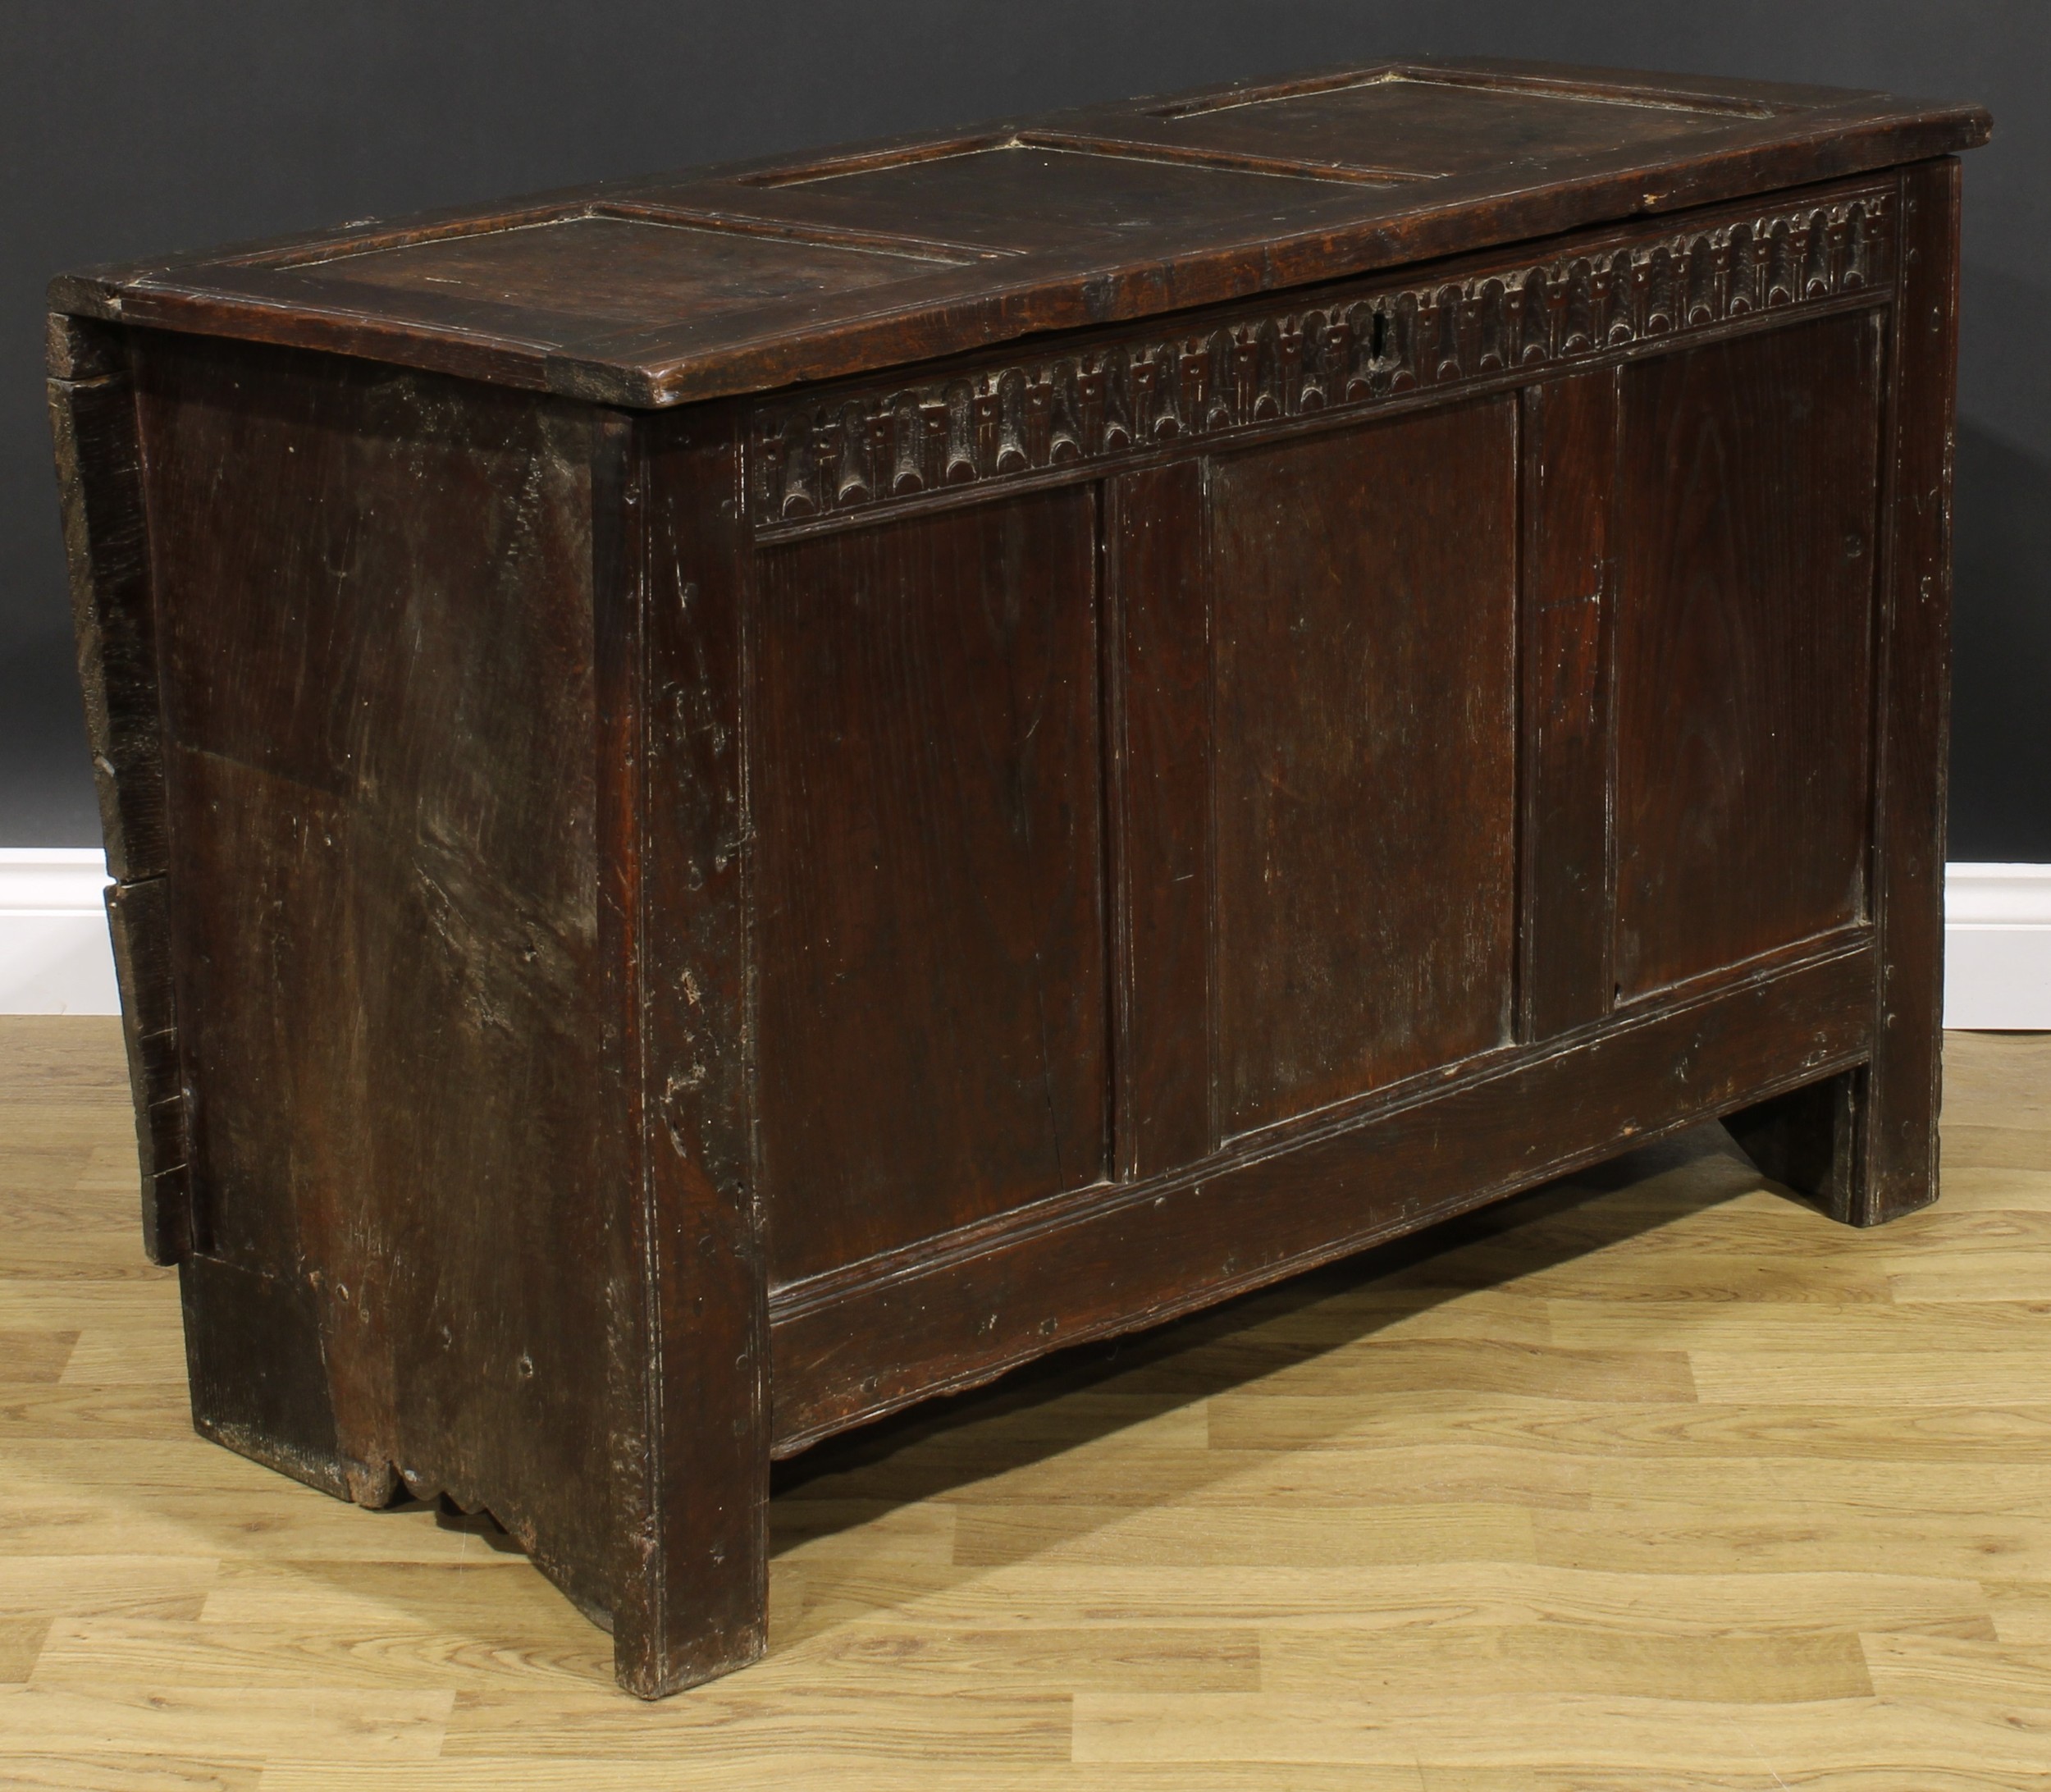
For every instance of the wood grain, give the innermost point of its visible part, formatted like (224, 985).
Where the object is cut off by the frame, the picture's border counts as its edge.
(1508, 1507)
(929, 891)
(1363, 593)
(1158, 712)
(419, 792)
(1566, 603)
(1905, 1085)
(1744, 629)
(672, 667)
(93, 427)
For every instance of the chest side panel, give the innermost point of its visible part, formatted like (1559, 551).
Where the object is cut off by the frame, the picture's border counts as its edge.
(376, 592)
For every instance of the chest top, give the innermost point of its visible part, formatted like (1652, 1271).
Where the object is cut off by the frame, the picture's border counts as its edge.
(750, 275)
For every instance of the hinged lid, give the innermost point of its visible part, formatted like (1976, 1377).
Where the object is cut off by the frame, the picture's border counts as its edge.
(760, 274)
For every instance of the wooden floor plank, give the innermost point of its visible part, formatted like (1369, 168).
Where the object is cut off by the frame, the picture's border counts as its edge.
(815, 1774)
(1955, 1671)
(1937, 1431)
(743, 1722)
(1581, 1729)
(92, 1770)
(1986, 1377)
(223, 1723)
(1564, 1659)
(988, 1536)
(21, 1641)
(1454, 1595)
(1749, 1327)
(1653, 1481)
(105, 1584)
(81, 1654)
(1267, 1479)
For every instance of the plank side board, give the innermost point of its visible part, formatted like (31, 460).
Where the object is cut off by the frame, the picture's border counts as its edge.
(665, 911)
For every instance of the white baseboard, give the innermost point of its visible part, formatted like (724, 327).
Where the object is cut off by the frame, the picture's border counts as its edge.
(55, 958)
(1998, 947)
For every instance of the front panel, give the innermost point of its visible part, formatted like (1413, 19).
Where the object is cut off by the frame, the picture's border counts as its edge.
(1175, 755)
(1746, 508)
(927, 900)
(1363, 594)
(1387, 744)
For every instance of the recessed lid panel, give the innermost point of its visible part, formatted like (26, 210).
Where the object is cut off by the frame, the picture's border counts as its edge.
(622, 270)
(1434, 127)
(1018, 191)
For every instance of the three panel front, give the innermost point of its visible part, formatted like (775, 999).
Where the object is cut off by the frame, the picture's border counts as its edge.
(1109, 829)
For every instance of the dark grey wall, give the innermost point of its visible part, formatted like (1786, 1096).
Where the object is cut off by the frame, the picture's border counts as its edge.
(128, 129)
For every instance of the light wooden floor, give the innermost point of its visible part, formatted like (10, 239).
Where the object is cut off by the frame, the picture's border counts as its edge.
(1655, 1480)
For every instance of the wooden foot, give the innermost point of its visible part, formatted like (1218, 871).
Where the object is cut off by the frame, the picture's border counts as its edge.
(698, 1605)
(259, 1381)
(1817, 1140)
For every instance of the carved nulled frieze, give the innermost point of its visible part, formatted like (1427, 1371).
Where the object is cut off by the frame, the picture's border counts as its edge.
(816, 456)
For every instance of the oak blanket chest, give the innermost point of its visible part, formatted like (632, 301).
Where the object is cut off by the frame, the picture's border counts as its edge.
(739, 799)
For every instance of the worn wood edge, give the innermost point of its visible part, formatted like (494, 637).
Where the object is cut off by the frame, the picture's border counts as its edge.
(1913, 681)
(474, 355)
(88, 625)
(693, 1576)
(1540, 73)
(1914, 684)
(96, 440)
(138, 926)
(834, 1305)
(74, 349)
(642, 1616)
(618, 560)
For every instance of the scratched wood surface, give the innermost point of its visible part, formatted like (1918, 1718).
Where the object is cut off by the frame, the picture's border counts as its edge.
(1646, 1481)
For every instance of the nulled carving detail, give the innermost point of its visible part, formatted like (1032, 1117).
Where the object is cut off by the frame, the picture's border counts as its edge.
(852, 450)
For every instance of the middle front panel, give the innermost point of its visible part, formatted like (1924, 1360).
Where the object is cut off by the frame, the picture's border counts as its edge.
(1315, 804)
(1363, 594)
